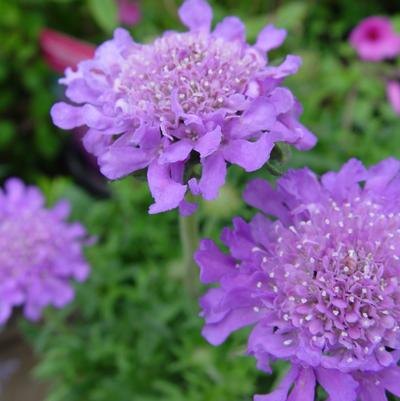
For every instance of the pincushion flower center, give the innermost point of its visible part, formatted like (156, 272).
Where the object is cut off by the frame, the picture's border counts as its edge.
(200, 71)
(340, 288)
(21, 238)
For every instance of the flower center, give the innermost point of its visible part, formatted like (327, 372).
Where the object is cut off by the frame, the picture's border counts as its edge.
(339, 288)
(21, 241)
(373, 34)
(200, 71)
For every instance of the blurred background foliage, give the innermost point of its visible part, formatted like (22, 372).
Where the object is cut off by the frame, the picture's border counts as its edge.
(131, 333)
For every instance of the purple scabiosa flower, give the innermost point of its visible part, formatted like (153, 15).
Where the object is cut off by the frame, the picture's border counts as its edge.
(187, 98)
(39, 252)
(374, 39)
(321, 283)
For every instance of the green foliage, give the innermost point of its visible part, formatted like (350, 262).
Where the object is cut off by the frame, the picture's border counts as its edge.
(131, 333)
(105, 14)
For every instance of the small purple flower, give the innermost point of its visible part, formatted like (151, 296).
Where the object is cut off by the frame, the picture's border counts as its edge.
(321, 283)
(374, 39)
(39, 252)
(187, 98)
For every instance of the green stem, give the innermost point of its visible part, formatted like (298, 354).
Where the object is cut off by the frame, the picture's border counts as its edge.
(189, 233)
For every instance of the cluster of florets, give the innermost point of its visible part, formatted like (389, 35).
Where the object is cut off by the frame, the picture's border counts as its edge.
(187, 98)
(39, 252)
(321, 282)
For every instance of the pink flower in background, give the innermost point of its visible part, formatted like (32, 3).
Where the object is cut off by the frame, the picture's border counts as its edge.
(393, 94)
(374, 39)
(128, 12)
(62, 51)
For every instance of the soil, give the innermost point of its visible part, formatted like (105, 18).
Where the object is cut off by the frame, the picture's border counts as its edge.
(16, 365)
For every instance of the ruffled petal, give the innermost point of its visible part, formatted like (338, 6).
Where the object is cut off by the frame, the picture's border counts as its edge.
(289, 129)
(15, 190)
(282, 99)
(380, 175)
(231, 28)
(120, 161)
(5, 312)
(260, 116)
(270, 38)
(213, 175)
(261, 195)
(346, 181)
(300, 187)
(304, 389)
(209, 143)
(79, 92)
(196, 15)
(62, 209)
(281, 392)
(390, 379)
(166, 192)
(274, 343)
(249, 155)
(217, 333)
(372, 392)
(212, 262)
(187, 208)
(239, 240)
(95, 119)
(340, 386)
(290, 66)
(66, 116)
(95, 142)
(176, 152)
(295, 134)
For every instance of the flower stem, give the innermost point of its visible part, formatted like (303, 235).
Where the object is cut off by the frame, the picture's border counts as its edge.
(188, 227)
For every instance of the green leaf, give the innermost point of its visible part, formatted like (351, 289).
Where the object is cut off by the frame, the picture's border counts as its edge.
(291, 15)
(105, 13)
(396, 22)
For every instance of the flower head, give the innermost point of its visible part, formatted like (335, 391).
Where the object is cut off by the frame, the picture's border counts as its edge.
(374, 39)
(39, 252)
(321, 283)
(187, 98)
